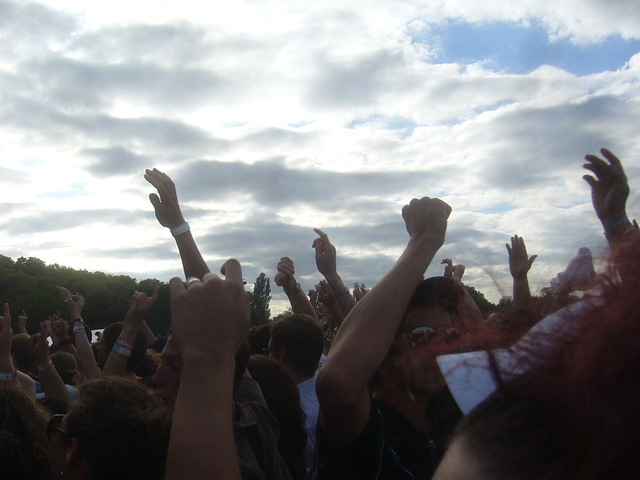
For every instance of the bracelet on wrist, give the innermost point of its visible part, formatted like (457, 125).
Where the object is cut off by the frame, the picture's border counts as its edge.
(123, 343)
(180, 229)
(296, 289)
(78, 329)
(344, 291)
(45, 366)
(7, 377)
(617, 223)
(121, 350)
(79, 319)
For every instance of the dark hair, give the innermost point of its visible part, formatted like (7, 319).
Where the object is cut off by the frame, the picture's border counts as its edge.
(283, 399)
(443, 292)
(573, 414)
(111, 334)
(25, 424)
(259, 338)
(303, 340)
(122, 428)
(66, 366)
(20, 349)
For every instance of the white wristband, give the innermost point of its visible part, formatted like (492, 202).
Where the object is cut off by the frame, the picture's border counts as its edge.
(180, 229)
(121, 350)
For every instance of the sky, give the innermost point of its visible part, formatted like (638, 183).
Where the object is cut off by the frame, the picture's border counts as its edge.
(275, 117)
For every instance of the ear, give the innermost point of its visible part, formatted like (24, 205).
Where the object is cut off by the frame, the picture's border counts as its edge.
(71, 453)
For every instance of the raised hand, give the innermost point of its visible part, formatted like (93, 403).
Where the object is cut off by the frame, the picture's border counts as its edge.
(610, 189)
(211, 314)
(426, 220)
(359, 292)
(285, 276)
(140, 305)
(448, 267)
(166, 206)
(325, 253)
(6, 336)
(59, 330)
(458, 272)
(75, 303)
(22, 322)
(519, 262)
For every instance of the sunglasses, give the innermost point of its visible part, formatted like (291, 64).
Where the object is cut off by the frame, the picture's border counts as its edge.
(53, 426)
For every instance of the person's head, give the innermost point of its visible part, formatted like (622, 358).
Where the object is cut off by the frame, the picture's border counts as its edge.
(21, 346)
(297, 341)
(426, 328)
(24, 424)
(169, 373)
(259, 338)
(116, 429)
(67, 367)
(566, 406)
(283, 399)
(109, 337)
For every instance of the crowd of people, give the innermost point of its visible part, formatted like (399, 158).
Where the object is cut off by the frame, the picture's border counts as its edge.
(407, 380)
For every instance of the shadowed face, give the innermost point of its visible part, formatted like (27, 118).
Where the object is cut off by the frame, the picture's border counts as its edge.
(408, 364)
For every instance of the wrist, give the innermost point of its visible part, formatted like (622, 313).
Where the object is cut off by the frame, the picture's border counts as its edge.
(291, 289)
(180, 229)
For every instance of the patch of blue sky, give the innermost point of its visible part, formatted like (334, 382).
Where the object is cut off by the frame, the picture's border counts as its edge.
(75, 190)
(519, 48)
(403, 127)
(496, 208)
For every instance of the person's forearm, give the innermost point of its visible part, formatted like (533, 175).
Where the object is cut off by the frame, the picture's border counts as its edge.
(192, 261)
(116, 363)
(148, 334)
(343, 296)
(521, 292)
(300, 304)
(203, 422)
(51, 383)
(84, 356)
(367, 332)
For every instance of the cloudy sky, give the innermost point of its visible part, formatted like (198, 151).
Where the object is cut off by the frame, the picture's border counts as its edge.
(275, 117)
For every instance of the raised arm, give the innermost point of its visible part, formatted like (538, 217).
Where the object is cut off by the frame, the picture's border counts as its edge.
(169, 214)
(84, 356)
(365, 336)
(209, 321)
(141, 305)
(297, 298)
(8, 372)
(50, 381)
(609, 193)
(326, 263)
(519, 266)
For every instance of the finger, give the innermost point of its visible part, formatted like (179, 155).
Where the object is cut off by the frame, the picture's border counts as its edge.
(24, 313)
(323, 235)
(7, 313)
(508, 248)
(209, 275)
(43, 331)
(155, 200)
(612, 158)
(590, 180)
(176, 286)
(156, 291)
(531, 260)
(232, 270)
(191, 280)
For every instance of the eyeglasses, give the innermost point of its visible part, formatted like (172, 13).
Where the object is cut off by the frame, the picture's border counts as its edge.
(53, 426)
(423, 335)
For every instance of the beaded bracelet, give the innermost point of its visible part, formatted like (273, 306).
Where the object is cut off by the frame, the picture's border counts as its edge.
(344, 291)
(78, 329)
